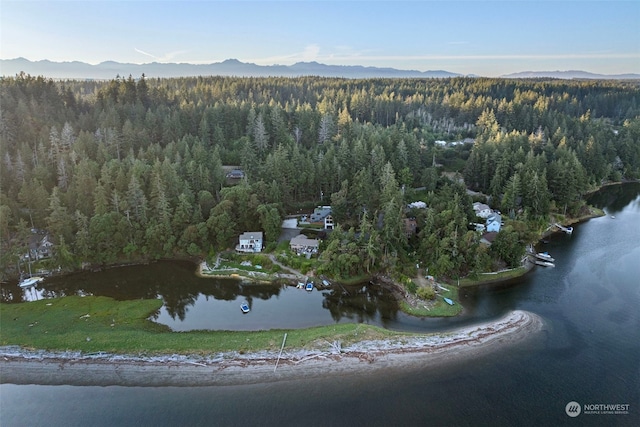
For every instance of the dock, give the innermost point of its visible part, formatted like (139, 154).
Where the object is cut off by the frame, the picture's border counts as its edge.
(568, 230)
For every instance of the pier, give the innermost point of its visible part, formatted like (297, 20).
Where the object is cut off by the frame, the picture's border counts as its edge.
(567, 230)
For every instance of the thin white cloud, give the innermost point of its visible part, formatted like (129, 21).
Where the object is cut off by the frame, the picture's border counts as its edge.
(164, 58)
(144, 53)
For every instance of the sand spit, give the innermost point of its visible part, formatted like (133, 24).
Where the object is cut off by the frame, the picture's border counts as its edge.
(19, 366)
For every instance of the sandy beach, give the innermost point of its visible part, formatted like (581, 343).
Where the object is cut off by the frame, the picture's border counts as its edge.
(19, 366)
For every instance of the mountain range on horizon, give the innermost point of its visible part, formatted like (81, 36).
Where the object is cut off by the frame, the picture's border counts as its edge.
(232, 67)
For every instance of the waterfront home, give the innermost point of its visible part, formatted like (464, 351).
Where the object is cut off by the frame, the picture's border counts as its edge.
(302, 245)
(328, 222)
(488, 238)
(482, 210)
(250, 242)
(40, 246)
(494, 222)
(320, 213)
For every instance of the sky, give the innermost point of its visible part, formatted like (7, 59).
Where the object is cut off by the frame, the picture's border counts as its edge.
(483, 37)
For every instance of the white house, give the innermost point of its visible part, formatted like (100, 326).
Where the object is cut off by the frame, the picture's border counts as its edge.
(328, 222)
(494, 222)
(250, 242)
(320, 213)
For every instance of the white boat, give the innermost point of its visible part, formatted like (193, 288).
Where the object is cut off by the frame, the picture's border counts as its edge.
(309, 287)
(300, 285)
(326, 283)
(244, 307)
(31, 281)
(545, 256)
(545, 263)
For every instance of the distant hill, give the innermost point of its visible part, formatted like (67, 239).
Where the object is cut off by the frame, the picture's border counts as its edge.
(230, 67)
(570, 74)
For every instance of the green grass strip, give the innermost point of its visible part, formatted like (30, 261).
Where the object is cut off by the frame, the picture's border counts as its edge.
(101, 324)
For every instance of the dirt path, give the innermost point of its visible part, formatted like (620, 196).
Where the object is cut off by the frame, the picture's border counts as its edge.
(284, 267)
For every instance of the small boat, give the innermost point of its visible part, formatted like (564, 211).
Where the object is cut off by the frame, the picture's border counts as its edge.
(326, 283)
(31, 281)
(300, 285)
(613, 217)
(244, 307)
(309, 287)
(545, 256)
(545, 263)
(448, 301)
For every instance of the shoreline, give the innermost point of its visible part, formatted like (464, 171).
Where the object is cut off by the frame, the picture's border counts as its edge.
(528, 266)
(20, 366)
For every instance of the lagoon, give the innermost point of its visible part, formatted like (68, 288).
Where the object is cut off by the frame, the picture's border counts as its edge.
(588, 353)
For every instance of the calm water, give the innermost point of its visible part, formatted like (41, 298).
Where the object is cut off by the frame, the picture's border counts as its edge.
(589, 353)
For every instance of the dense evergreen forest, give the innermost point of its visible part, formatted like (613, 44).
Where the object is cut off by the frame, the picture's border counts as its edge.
(132, 169)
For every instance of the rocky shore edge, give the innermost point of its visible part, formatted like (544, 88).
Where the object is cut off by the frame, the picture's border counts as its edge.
(20, 366)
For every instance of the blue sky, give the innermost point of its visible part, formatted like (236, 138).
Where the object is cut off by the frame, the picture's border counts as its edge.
(488, 38)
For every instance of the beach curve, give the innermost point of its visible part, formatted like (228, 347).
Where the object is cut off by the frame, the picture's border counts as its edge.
(20, 366)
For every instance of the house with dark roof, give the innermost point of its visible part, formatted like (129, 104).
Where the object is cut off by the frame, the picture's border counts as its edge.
(40, 246)
(236, 174)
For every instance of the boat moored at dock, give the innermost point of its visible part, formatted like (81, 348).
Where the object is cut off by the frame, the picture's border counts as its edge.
(544, 256)
(30, 281)
(544, 263)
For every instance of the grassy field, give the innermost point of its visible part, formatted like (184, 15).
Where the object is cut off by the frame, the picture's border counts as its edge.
(437, 308)
(101, 324)
(484, 278)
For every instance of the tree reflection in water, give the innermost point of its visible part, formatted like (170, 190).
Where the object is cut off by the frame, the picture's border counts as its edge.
(180, 289)
(360, 303)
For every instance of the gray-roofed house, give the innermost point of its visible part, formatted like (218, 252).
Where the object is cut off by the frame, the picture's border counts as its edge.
(320, 213)
(301, 244)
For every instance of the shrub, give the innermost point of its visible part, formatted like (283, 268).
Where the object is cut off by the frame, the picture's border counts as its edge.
(426, 293)
(411, 287)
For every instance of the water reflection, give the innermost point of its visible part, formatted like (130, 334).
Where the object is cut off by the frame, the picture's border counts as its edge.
(191, 302)
(616, 197)
(361, 303)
